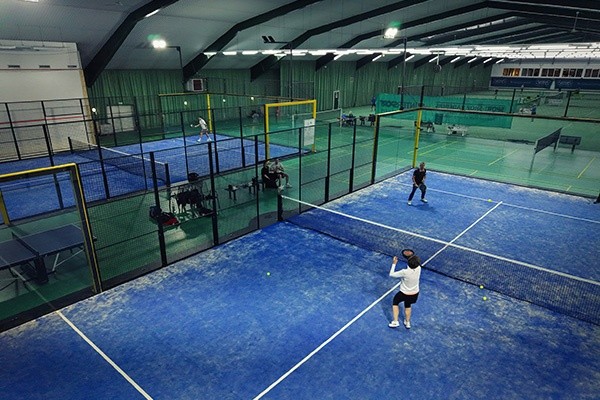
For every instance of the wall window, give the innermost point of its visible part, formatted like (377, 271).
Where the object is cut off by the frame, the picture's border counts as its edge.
(510, 71)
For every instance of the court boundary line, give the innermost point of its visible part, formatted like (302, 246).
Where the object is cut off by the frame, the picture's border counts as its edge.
(91, 344)
(104, 356)
(512, 205)
(359, 315)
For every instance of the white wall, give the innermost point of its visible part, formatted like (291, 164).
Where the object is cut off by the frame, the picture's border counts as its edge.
(29, 73)
(24, 77)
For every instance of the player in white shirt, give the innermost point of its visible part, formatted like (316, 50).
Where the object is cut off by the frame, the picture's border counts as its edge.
(203, 129)
(409, 288)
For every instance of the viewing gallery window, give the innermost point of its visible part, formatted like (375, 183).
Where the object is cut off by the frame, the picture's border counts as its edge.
(572, 72)
(550, 72)
(511, 71)
(530, 72)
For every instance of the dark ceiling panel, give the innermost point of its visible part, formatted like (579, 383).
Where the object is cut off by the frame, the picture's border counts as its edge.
(477, 62)
(462, 61)
(570, 5)
(201, 59)
(397, 60)
(427, 20)
(504, 36)
(423, 61)
(564, 23)
(110, 47)
(263, 65)
(474, 32)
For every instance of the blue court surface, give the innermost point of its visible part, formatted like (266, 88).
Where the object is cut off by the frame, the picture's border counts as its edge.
(54, 194)
(289, 313)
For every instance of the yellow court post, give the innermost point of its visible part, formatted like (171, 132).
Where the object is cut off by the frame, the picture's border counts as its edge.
(210, 122)
(3, 211)
(268, 106)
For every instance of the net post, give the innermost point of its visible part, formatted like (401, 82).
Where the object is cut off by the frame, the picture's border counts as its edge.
(568, 103)
(534, 153)
(161, 232)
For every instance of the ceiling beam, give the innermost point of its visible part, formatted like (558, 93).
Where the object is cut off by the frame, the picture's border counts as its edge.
(366, 60)
(574, 5)
(200, 60)
(397, 60)
(549, 8)
(424, 60)
(463, 61)
(423, 21)
(92, 71)
(560, 22)
(474, 32)
(504, 36)
(264, 65)
(478, 62)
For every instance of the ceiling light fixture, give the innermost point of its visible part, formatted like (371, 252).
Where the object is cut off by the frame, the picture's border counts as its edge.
(575, 23)
(390, 33)
(159, 44)
(152, 13)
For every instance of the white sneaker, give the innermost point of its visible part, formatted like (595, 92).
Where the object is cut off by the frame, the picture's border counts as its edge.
(409, 203)
(287, 185)
(199, 140)
(394, 324)
(209, 139)
(424, 200)
(407, 324)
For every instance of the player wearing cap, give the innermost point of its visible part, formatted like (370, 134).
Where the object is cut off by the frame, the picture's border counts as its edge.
(409, 287)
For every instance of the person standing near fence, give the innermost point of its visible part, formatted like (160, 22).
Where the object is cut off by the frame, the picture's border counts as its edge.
(409, 287)
(418, 179)
(203, 129)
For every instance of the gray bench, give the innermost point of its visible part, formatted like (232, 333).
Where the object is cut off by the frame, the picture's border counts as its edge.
(570, 140)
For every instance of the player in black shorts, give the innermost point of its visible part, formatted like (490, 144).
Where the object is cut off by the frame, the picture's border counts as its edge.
(419, 183)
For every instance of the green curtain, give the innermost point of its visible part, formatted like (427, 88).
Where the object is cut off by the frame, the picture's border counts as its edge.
(356, 86)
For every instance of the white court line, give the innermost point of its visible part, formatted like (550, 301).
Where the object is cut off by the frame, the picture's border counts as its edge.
(106, 358)
(512, 205)
(92, 344)
(363, 312)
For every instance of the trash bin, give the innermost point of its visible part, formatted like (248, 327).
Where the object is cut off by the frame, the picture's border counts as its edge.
(438, 119)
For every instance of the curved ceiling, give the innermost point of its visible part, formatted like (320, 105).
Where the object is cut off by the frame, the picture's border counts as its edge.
(116, 34)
